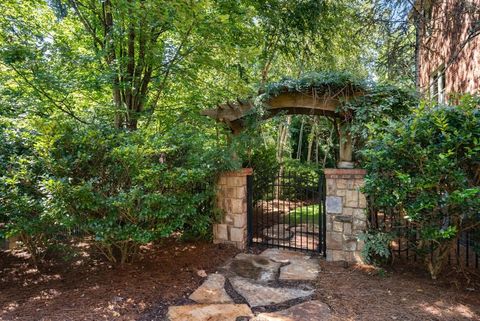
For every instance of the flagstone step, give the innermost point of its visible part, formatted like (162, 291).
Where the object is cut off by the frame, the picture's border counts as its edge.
(208, 312)
(310, 310)
(262, 295)
(212, 291)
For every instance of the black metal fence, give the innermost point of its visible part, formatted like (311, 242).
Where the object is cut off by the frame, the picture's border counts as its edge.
(465, 252)
(287, 211)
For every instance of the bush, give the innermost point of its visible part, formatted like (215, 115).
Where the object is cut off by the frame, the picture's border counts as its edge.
(424, 169)
(122, 188)
(22, 192)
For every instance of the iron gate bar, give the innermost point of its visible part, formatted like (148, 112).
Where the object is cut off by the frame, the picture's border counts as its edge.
(300, 195)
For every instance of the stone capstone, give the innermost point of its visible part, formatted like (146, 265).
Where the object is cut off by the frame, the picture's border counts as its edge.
(311, 311)
(212, 291)
(261, 295)
(208, 312)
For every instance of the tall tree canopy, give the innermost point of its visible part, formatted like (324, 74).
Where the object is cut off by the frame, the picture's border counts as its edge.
(127, 62)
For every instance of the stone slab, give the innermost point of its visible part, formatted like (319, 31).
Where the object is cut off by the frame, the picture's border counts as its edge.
(283, 256)
(334, 204)
(261, 295)
(212, 291)
(208, 312)
(254, 267)
(311, 311)
(300, 270)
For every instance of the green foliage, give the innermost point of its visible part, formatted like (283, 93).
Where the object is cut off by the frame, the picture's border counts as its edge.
(124, 189)
(370, 113)
(320, 82)
(71, 75)
(299, 168)
(376, 246)
(264, 163)
(424, 169)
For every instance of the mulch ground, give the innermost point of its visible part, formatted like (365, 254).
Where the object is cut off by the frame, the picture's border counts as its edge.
(401, 293)
(88, 288)
(91, 289)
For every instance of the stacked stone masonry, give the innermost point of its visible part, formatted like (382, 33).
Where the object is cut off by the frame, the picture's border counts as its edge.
(346, 217)
(232, 202)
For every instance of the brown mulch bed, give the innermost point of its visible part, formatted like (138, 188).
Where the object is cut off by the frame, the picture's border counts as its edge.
(90, 289)
(404, 292)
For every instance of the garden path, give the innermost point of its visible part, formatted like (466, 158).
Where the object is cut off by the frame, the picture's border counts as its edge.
(274, 285)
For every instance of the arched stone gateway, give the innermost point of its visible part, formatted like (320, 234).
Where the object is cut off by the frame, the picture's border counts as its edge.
(344, 216)
(308, 101)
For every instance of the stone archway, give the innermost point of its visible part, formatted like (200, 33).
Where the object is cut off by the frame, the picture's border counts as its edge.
(345, 204)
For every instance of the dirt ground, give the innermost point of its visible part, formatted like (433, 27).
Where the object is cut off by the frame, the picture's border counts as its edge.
(90, 289)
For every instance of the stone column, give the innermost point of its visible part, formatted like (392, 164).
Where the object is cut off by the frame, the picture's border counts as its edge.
(232, 201)
(346, 215)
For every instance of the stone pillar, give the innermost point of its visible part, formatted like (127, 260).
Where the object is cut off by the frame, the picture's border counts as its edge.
(346, 215)
(232, 201)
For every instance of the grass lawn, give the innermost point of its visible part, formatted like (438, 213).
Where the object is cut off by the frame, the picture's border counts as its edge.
(303, 215)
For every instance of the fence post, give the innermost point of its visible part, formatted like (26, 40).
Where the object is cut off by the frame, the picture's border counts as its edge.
(345, 214)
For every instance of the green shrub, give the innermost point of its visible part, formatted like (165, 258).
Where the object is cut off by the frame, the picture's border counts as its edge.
(424, 169)
(22, 192)
(122, 188)
(377, 246)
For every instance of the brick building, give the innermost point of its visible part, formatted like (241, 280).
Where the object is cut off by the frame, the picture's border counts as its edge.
(449, 47)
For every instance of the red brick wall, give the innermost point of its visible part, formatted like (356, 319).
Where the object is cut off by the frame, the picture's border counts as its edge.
(449, 28)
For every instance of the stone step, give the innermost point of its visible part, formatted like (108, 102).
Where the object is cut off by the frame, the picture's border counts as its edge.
(212, 291)
(300, 270)
(262, 295)
(300, 267)
(254, 267)
(208, 312)
(311, 311)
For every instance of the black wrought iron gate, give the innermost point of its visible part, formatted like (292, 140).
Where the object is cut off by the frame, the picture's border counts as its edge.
(287, 211)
